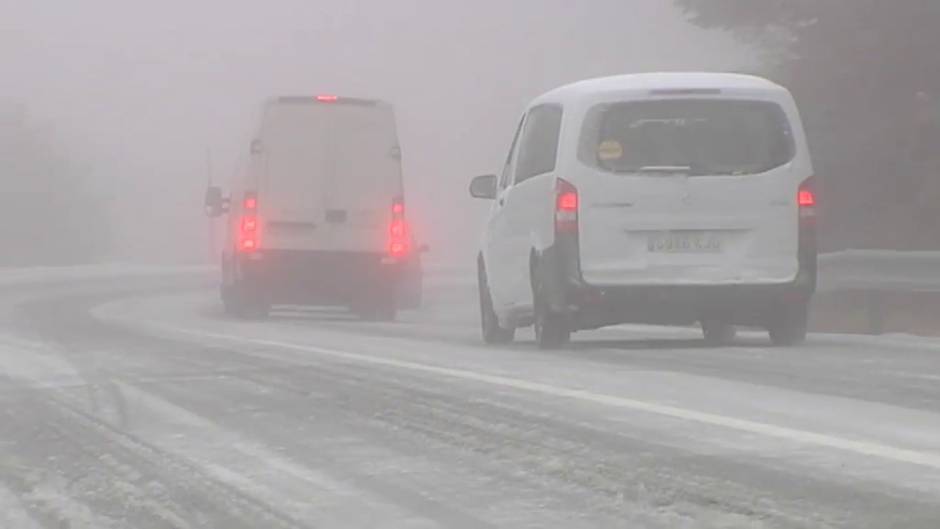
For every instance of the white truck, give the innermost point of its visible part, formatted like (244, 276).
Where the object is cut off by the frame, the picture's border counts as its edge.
(318, 217)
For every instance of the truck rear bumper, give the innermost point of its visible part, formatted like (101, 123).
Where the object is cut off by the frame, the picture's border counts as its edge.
(323, 278)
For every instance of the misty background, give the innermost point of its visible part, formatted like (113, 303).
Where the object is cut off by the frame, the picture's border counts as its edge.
(113, 112)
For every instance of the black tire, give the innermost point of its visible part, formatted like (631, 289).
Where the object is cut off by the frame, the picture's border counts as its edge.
(259, 309)
(411, 292)
(552, 330)
(790, 325)
(238, 303)
(229, 304)
(490, 329)
(718, 333)
(378, 313)
(381, 307)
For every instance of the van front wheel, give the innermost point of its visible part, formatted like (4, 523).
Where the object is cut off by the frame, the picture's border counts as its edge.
(493, 333)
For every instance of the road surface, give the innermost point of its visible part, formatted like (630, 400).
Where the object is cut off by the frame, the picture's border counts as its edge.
(130, 401)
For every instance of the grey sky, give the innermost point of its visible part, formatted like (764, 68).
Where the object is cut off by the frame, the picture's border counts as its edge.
(142, 89)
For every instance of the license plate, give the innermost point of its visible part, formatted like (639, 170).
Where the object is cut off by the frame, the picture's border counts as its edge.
(684, 242)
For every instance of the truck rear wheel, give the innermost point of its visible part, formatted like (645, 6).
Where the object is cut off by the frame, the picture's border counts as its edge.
(717, 332)
(239, 303)
(380, 305)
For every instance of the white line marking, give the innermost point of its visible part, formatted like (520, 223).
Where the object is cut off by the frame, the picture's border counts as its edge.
(866, 448)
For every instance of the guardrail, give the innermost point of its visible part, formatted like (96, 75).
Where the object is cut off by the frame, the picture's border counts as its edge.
(877, 278)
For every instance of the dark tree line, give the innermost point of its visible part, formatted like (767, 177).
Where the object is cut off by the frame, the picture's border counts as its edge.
(867, 76)
(48, 213)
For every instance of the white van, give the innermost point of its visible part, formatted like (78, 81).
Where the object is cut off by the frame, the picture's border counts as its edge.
(669, 198)
(319, 215)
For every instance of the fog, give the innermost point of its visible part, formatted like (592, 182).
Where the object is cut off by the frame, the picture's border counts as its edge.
(146, 95)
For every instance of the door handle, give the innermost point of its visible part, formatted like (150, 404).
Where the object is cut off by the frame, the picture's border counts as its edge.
(501, 202)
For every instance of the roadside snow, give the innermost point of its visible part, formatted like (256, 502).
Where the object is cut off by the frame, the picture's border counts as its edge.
(33, 275)
(12, 513)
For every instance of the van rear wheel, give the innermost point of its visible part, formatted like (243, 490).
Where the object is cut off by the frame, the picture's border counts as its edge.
(552, 330)
(717, 332)
(790, 325)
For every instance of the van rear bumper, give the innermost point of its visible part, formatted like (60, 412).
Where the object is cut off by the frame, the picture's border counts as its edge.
(591, 306)
(314, 277)
(598, 306)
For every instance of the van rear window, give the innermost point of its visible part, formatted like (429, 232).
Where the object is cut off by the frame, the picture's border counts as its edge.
(692, 136)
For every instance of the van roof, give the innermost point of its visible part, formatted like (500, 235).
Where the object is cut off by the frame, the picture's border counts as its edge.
(664, 81)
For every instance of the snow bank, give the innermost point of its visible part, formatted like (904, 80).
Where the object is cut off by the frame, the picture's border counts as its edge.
(35, 275)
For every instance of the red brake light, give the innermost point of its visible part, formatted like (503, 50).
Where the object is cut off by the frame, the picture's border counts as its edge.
(806, 198)
(399, 239)
(398, 249)
(248, 228)
(327, 98)
(567, 203)
(398, 229)
(251, 201)
(249, 245)
(249, 224)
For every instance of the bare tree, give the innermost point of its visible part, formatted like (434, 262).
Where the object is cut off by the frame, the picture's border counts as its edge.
(856, 67)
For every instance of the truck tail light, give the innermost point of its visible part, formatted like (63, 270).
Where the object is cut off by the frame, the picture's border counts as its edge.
(248, 228)
(399, 239)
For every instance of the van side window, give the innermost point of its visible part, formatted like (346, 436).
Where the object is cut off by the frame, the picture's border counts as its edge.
(505, 177)
(538, 149)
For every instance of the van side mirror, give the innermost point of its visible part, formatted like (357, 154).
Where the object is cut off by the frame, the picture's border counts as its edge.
(257, 147)
(216, 205)
(483, 187)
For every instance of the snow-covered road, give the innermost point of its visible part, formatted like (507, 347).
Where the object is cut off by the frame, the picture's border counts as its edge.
(135, 403)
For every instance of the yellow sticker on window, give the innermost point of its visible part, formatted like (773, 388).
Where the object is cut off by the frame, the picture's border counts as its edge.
(609, 150)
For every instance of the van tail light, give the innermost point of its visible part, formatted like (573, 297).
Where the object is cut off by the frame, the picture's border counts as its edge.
(808, 247)
(248, 241)
(806, 200)
(567, 203)
(399, 245)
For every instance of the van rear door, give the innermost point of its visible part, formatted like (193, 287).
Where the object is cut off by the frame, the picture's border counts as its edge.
(366, 177)
(689, 191)
(295, 163)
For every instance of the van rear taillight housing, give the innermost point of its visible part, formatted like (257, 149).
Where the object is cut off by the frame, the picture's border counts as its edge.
(249, 226)
(808, 250)
(399, 240)
(567, 203)
(806, 200)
